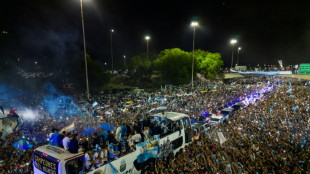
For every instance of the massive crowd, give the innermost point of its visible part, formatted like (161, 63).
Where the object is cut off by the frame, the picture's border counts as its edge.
(269, 136)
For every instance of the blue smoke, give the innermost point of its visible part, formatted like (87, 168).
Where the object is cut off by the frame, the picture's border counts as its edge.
(57, 104)
(19, 97)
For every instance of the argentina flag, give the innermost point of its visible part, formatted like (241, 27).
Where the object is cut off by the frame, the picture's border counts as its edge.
(23, 144)
(149, 153)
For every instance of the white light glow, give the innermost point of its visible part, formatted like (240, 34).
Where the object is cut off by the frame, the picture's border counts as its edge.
(233, 41)
(194, 24)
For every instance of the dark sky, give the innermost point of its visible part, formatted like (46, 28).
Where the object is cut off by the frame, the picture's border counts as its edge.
(50, 31)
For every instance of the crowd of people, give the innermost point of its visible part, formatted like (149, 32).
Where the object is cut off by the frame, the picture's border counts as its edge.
(269, 136)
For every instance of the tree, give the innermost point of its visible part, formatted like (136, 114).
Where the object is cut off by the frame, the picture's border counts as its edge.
(175, 66)
(97, 78)
(208, 63)
(140, 67)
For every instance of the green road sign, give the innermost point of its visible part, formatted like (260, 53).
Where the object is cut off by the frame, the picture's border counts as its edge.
(304, 68)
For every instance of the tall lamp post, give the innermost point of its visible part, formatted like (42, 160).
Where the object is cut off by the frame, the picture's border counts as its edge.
(194, 24)
(84, 43)
(124, 63)
(238, 55)
(233, 41)
(147, 38)
(112, 50)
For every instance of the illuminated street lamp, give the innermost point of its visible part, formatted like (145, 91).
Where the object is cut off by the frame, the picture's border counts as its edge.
(84, 43)
(194, 24)
(147, 38)
(112, 49)
(238, 55)
(233, 41)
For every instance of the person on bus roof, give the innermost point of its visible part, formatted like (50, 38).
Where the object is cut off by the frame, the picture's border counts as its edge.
(137, 127)
(66, 140)
(54, 137)
(111, 137)
(87, 159)
(73, 144)
(104, 154)
(137, 137)
(96, 139)
(60, 138)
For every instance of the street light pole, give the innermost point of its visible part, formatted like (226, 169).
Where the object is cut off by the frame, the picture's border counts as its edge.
(112, 49)
(193, 24)
(84, 42)
(124, 63)
(238, 55)
(233, 41)
(147, 38)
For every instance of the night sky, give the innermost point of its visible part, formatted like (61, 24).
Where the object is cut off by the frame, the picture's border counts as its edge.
(50, 31)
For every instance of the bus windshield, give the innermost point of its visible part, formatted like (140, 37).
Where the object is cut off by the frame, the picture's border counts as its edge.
(45, 163)
(215, 119)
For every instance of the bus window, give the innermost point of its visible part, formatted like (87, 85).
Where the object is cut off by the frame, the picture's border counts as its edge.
(177, 143)
(186, 122)
(74, 166)
(176, 126)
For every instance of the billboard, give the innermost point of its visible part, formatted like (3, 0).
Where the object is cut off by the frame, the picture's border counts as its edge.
(304, 68)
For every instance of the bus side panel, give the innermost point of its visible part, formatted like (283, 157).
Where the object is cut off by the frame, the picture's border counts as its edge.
(125, 164)
(37, 171)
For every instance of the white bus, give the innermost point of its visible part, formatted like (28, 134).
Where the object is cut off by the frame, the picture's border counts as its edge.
(178, 137)
(55, 160)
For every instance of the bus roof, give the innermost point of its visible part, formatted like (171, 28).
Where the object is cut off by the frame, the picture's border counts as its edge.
(58, 152)
(171, 115)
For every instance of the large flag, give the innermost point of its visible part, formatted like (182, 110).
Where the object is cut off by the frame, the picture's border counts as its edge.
(69, 128)
(149, 153)
(23, 144)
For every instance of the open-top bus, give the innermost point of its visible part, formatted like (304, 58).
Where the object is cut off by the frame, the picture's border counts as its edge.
(55, 160)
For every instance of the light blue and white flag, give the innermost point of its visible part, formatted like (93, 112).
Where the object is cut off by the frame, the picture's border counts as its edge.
(149, 153)
(94, 104)
(23, 144)
(141, 144)
(114, 170)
